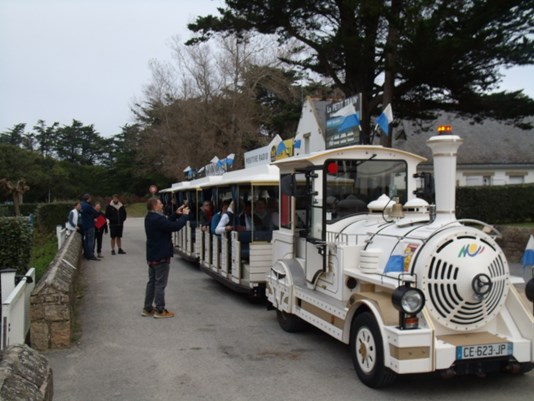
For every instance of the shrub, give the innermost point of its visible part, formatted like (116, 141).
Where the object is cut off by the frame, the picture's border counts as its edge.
(496, 204)
(25, 209)
(49, 215)
(15, 243)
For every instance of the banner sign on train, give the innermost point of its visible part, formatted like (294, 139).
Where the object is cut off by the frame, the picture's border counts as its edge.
(343, 122)
(261, 155)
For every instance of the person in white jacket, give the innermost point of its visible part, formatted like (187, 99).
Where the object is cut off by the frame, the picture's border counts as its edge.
(226, 220)
(73, 218)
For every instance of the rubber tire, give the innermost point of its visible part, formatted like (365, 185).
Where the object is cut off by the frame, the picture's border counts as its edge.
(377, 375)
(289, 322)
(526, 367)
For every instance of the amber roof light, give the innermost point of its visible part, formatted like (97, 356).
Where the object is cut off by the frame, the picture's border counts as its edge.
(445, 130)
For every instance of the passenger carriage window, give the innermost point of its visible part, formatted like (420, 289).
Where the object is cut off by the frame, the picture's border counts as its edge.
(263, 212)
(286, 191)
(293, 190)
(352, 184)
(315, 188)
(301, 201)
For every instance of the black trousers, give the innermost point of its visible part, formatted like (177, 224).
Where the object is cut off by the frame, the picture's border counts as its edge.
(98, 240)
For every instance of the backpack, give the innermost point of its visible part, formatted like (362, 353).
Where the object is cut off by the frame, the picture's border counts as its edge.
(215, 222)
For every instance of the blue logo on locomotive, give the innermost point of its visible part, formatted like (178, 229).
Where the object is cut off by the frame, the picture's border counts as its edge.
(471, 250)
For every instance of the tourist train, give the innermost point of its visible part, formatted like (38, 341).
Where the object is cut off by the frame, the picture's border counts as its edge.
(241, 258)
(350, 247)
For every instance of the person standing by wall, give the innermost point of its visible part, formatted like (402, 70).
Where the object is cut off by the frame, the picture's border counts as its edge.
(73, 220)
(159, 250)
(116, 214)
(88, 215)
(101, 227)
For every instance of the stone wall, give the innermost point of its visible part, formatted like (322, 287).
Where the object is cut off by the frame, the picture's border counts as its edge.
(513, 242)
(25, 375)
(53, 300)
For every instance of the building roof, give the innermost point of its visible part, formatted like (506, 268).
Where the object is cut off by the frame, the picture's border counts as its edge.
(489, 142)
(320, 111)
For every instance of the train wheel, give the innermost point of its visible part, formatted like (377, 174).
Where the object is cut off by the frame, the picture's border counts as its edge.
(527, 367)
(368, 353)
(289, 322)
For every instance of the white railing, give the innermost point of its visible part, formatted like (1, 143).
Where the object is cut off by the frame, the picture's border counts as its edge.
(344, 239)
(61, 233)
(15, 307)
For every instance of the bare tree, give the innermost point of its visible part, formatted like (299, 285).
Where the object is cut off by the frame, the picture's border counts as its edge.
(204, 104)
(16, 189)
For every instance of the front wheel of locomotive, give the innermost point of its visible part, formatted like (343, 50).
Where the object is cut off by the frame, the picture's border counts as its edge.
(523, 368)
(368, 352)
(289, 322)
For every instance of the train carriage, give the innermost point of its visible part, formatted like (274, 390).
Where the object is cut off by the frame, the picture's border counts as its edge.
(410, 288)
(191, 194)
(241, 258)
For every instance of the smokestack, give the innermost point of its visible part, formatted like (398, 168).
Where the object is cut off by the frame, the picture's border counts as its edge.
(444, 150)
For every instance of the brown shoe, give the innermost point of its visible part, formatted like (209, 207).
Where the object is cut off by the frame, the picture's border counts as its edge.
(163, 314)
(146, 313)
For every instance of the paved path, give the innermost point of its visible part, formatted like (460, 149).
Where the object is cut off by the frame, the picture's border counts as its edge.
(219, 347)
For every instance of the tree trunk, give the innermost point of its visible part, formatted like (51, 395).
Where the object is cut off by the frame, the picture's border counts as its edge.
(16, 203)
(389, 67)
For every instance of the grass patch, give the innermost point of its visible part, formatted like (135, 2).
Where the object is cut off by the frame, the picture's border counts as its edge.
(136, 210)
(43, 252)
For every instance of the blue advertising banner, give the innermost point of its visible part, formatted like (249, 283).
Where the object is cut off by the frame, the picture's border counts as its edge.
(343, 122)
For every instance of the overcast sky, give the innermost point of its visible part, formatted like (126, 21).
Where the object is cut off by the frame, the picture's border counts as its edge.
(88, 59)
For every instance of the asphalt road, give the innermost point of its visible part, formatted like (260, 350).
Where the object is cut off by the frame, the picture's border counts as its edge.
(218, 347)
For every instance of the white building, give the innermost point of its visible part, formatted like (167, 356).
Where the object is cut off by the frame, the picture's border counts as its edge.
(311, 130)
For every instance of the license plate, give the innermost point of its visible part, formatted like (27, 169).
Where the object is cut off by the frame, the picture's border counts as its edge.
(483, 351)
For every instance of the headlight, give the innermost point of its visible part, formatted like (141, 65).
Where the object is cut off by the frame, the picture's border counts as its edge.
(408, 299)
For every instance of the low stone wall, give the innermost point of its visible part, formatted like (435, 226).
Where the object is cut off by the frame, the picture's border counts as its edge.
(53, 300)
(513, 242)
(25, 375)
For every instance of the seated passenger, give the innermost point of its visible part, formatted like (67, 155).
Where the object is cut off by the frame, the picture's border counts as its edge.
(217, 217)
(206, 214)
(261, 218)
(331, 207)
(245, 218)
(351, 205)
(225, 224)
(275, 216)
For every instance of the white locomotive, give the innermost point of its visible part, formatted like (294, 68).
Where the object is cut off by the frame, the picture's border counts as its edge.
(411, 288)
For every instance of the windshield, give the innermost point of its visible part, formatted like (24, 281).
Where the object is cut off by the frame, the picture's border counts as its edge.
(352, 184)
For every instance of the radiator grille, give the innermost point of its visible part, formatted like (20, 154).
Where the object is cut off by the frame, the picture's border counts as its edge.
(448, 282)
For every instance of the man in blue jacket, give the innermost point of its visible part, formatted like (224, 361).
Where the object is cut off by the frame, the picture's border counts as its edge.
(159, 250)
(88, 215)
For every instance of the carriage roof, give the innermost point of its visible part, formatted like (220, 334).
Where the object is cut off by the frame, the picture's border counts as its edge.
(264, 175)
(348, 152)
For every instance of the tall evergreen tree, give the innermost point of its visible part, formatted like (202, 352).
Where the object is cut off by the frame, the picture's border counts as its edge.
(13, 136)
(46, 137)
(419, 55)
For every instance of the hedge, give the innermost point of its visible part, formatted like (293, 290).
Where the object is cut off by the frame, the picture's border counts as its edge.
(50, 215)
(25, 209)
(16, 234)
(16, 242)
(496, 204)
